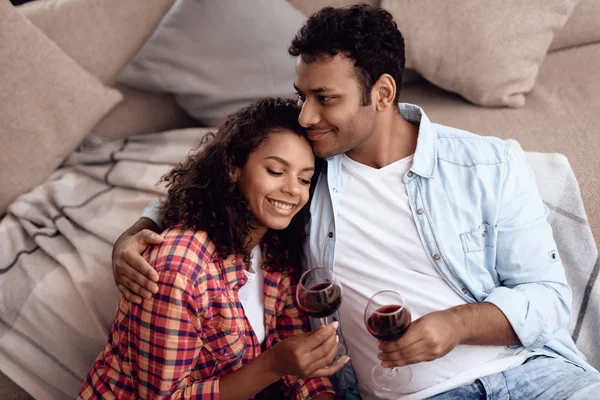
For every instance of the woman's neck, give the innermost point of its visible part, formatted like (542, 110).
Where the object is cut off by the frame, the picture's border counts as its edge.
(256, 236)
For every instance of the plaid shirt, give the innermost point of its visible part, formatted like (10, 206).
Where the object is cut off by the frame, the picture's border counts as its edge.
(194, 330)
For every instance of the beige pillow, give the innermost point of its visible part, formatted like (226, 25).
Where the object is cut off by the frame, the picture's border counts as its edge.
(142, 112)
(48, 103)
(582, 27)
(487, 51)
(101, 35)
(309, 7)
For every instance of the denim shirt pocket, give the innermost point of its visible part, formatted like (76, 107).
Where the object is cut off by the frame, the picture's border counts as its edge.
(474, 245)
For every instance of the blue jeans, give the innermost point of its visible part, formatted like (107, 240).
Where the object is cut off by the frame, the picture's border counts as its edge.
(539, 377)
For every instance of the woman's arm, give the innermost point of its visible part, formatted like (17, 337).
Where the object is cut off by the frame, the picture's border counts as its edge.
(164, 343)
(166, 336)
(247, 381)
(173, 348)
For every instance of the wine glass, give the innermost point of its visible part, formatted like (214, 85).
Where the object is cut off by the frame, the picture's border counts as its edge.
(319, 295)
(387, 318)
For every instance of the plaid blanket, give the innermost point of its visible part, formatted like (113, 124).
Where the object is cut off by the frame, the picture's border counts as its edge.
(57, 296)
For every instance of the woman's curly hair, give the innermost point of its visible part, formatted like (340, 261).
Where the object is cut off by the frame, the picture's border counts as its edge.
(201, 194)
(369, 36)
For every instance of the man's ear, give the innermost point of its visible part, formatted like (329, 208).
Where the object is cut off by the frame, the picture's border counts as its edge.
(384, 92)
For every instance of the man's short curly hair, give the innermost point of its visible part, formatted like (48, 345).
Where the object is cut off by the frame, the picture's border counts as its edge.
(369, 36)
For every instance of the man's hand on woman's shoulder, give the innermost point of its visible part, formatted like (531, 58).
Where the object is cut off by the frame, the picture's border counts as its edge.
(134, 277)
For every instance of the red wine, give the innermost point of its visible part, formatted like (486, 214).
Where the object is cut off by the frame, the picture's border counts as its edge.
(388, 324)
(321, 300)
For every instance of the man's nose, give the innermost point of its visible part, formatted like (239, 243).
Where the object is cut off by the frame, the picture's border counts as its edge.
(309, 115)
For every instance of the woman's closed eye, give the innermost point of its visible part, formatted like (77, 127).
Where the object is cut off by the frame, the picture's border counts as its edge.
(303, 181)
(274, 173)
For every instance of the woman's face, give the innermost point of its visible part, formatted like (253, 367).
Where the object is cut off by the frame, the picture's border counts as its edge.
(276, 179)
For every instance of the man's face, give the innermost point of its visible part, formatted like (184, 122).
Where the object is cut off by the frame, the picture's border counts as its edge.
(330, 97)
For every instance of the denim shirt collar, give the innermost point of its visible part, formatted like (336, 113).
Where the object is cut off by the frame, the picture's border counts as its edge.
(425, 158)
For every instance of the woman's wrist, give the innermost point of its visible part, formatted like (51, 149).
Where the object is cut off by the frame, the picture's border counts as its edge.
(248, 380)
(265, 365)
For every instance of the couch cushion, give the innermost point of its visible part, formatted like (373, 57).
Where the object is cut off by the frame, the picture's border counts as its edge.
(142, 112)
(217, 56)
(48, 103)
(561, 115)
(487, 51)
(582, 27)
(102, 36)
(309, 7)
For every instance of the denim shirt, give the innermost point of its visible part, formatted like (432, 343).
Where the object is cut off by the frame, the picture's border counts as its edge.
(484, 227)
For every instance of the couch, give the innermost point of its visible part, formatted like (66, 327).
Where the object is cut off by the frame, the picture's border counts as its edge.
(531, 77)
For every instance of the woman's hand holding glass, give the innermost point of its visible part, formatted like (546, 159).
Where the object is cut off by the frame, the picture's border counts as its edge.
(308, 354)
(319, 295)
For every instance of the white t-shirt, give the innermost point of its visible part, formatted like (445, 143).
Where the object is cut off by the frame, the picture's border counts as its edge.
(378, 248)
(252, 295)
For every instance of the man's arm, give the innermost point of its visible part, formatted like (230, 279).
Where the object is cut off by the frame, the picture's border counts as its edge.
(133, 275)
(534, 299)
(434, 335)
(483, 324)
(534, 296)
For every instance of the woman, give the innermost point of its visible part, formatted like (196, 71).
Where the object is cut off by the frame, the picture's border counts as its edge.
(227, 268)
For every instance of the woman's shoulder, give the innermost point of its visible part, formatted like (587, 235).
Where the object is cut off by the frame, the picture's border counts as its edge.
(184, 250)
(181, 235)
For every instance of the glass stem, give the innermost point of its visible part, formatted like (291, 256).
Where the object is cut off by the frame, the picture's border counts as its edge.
(392, 371)
(323, 320)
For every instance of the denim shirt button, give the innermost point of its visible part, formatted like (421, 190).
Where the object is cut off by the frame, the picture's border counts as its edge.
(330, 234)
(420, 211)
(410, 174)
(335, 190)
(436, 257)
(464, 290)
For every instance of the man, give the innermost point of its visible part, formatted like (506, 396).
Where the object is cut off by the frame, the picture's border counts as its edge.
(449, 219)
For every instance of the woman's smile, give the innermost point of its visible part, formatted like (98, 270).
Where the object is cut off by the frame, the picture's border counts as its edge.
(282, 206)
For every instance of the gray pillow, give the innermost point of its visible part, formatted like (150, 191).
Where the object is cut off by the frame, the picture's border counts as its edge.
(217, 56)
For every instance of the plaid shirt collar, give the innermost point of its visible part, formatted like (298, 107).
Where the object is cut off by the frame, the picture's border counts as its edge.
(233, 267)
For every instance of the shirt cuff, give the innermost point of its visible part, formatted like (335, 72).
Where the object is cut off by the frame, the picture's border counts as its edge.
(154, 213)
(525, 320)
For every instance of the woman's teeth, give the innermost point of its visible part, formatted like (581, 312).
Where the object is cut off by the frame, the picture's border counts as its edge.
(282, 206)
